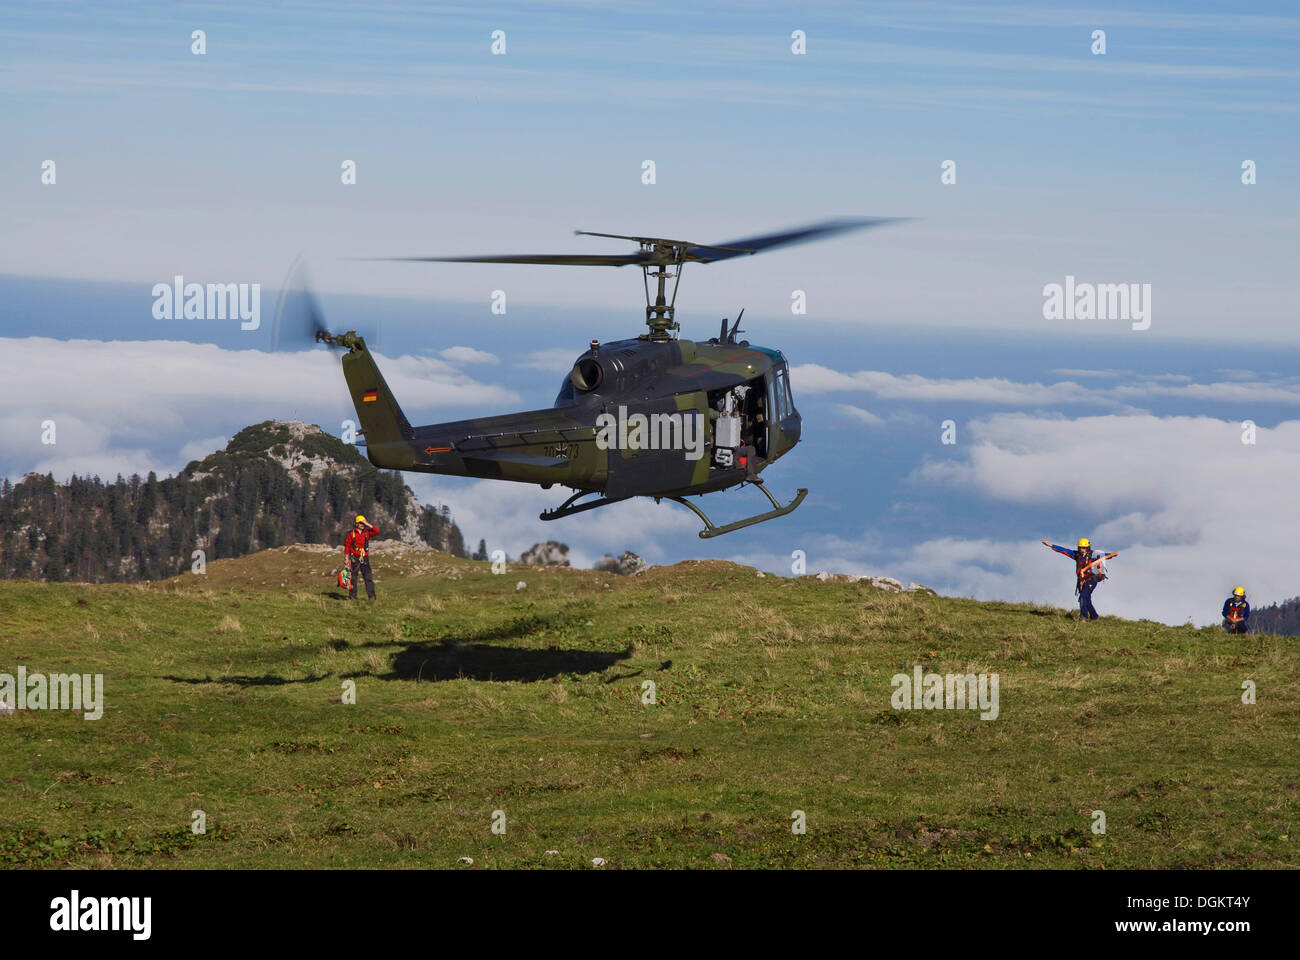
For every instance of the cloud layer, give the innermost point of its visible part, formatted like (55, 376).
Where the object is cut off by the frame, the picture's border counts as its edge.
(137, 406)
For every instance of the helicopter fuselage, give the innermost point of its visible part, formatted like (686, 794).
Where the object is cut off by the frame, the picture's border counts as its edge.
(636, 417)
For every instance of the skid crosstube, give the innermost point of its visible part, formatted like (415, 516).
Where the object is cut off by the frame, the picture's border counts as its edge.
(567, 508)
(570, 507)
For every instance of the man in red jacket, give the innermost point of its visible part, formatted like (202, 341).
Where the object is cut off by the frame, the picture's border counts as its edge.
(356, 554)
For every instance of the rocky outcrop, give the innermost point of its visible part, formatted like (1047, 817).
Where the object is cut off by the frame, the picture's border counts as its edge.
(546, 554)
(880, 583)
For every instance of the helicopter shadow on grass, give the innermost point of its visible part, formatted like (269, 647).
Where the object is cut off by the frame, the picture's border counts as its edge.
(481, 656)
(457, 660)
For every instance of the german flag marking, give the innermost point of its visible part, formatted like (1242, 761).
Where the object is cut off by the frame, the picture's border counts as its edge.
(370, 396)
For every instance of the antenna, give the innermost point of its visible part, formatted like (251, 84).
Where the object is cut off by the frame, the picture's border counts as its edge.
(731, 337)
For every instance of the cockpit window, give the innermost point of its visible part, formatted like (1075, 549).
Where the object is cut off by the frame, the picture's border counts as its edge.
(781, 394)
(566, 395)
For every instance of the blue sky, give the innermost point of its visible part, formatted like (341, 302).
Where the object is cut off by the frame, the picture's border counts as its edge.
(1117, 168)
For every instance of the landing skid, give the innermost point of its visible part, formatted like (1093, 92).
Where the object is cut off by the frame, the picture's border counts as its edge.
(710, 530)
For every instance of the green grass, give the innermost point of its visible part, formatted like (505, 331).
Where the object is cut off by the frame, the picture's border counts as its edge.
(224, 695)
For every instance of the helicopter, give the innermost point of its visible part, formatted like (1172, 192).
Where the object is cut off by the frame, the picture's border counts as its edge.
(650, 416)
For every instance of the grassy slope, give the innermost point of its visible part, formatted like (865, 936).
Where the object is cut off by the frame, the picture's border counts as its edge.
(773, 695)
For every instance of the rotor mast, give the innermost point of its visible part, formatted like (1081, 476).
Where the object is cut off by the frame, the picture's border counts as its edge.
(662, 259)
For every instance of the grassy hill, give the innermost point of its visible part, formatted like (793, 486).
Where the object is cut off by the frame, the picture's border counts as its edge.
(773, 695)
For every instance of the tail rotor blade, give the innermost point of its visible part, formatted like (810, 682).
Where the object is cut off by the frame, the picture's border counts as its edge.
(298, 316)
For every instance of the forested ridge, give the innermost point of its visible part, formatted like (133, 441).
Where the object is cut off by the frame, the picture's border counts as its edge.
(1280, 618)
(274, 483)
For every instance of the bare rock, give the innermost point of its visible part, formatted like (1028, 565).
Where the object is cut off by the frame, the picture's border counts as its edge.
(547, 554)
(625, 566)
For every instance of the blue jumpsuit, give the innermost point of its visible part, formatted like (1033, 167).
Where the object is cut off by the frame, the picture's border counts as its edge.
(1085, 586)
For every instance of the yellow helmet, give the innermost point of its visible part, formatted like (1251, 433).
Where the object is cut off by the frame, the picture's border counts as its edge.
(1238, 591)
(1083, 542)
(360, 518)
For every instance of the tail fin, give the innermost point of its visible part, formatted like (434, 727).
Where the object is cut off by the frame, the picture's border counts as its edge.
(385, 427)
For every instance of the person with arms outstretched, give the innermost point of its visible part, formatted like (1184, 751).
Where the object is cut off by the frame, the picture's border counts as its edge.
(1089, 571)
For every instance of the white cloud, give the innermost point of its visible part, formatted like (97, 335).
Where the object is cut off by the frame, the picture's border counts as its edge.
(811, 378)
(1225, 392)
(198, 449)
(550, 360)
(468, 355)
(858, 414)
(1113, 374)
(1077, 373)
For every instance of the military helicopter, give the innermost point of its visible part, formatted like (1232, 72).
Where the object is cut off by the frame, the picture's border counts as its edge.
(651, 416)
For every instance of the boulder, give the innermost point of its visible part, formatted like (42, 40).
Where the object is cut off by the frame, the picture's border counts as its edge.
(625, 565)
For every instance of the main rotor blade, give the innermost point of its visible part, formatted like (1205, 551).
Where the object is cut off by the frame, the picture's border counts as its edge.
(667, 252)
(557, 259)
(770, 241)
